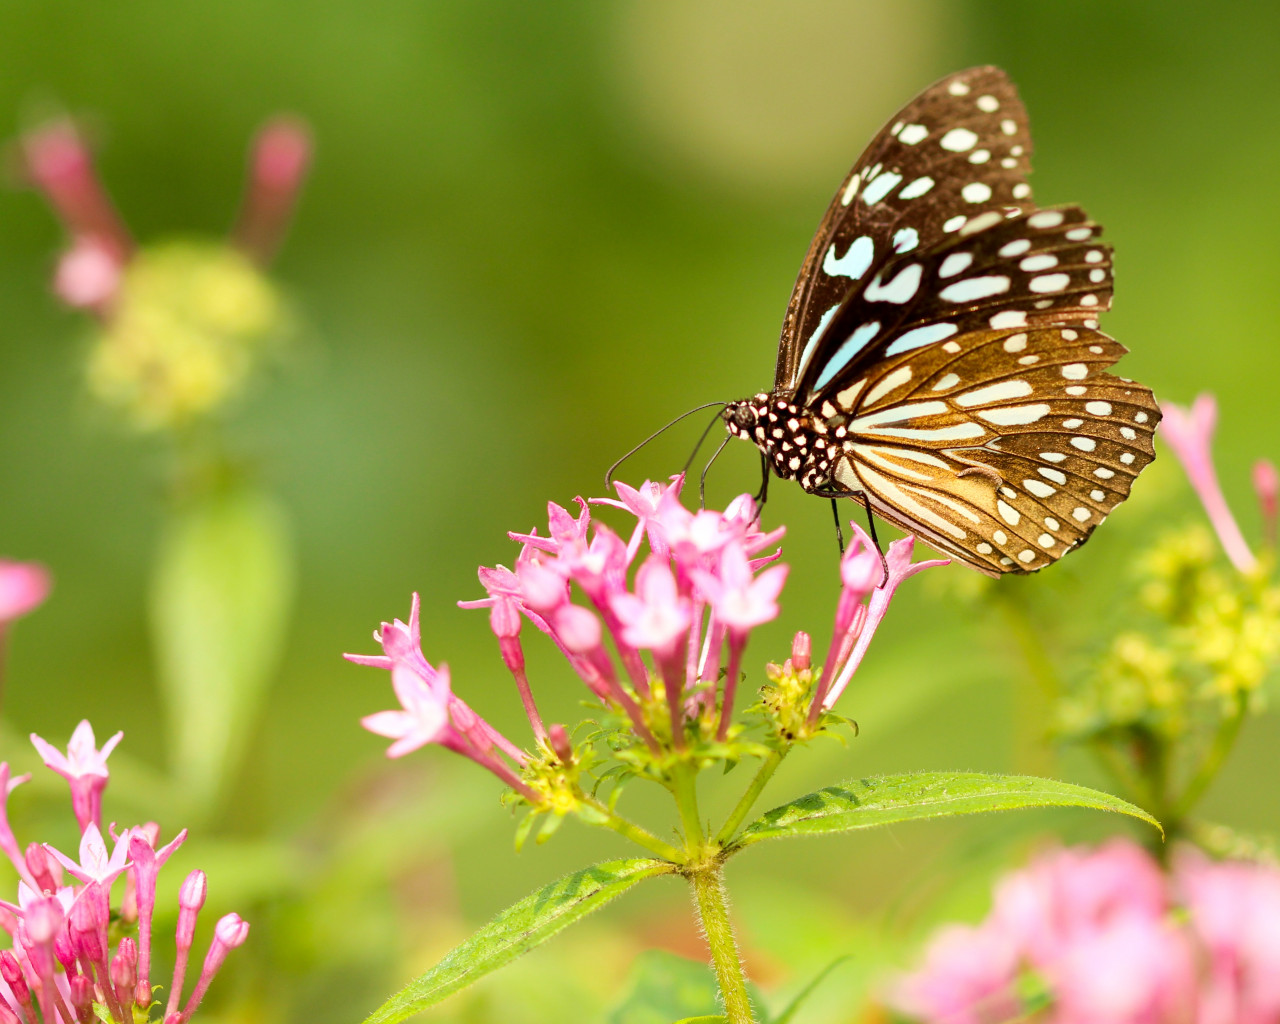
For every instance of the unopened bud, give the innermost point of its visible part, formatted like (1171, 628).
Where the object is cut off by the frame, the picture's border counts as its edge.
(124, 970)
(190, 901)
(559, 739)
(40, 864)
(801, 651)
(504, 618)
(11, 970)
(64, 951)
(231, 930)
(84, 927)
(82, 998)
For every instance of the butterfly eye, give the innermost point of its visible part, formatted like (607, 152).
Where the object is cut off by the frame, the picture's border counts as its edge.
(742, 416)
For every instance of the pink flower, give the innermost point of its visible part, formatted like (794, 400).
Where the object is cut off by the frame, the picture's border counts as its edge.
(656, 616)
(1070, 893)
(900, 568)
(84, 767)
(741, 600)
(7, 841)
(95, 865)
(1189, 432)
(1136, 970)
(424, 714)
(645, 503)
(23, 588)
(1235, 913)
(967, 977)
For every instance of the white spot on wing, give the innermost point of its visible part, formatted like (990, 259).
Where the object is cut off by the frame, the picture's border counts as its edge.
(949, 381)
(1049, 282)
(976, 192)
(1015, 343)
(1075, 371)
(880, 186)
(905, 240)
(1045, 219)
(988, 104)
(1015, 416)
(1085, 444)
(854, 263)
(1008, 513)
(852, 345)
(912, 134)
(917, 188)
(958, 140)
(918, 336)
(1009, 318)
(893, 380)
(955, 263)
(900, 290)
(975, 288)
(1002, 391)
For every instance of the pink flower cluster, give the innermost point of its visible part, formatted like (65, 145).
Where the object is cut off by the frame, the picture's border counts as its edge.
(61, 967)
(57, 159)
(1112, 939)
(627, 624)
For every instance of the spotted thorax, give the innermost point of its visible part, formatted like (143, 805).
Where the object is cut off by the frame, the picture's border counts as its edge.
(940, 357)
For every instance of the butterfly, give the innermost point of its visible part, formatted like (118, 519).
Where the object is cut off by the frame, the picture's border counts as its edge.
(940, 358)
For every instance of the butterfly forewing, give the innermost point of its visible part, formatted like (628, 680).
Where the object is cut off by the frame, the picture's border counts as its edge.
(959, 149)
(941, 352)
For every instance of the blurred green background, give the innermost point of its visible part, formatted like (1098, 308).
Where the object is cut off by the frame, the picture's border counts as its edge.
(532, 234)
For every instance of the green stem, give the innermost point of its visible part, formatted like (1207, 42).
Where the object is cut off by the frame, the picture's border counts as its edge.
(634, 832)
(685, 789)
(713, 909)
(1030, 644)
(1133, 786)
(1223, 741)
(743, 808)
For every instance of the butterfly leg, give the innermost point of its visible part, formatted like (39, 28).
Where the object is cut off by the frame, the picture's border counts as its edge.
(859, 496)
(762, 495)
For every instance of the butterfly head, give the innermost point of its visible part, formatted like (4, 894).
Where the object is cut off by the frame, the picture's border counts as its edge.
(792, 442)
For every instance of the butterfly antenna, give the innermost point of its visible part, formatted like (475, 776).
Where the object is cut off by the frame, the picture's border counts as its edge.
(702, 480)
(608, 477)
(684, 470)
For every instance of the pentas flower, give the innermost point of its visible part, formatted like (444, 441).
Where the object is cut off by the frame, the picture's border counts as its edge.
(646, 632)
(429, 711)
(76, 955)
(1189, 432)
(1106, 936)
(84, 766)
(856, 623)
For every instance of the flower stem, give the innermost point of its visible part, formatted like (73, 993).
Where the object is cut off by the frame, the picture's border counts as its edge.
(684, 788)
(762, 776)
(713, 909)
(634, 832)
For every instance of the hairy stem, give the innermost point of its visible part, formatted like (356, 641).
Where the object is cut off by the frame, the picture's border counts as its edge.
(743, 808)
(684, 788)
(713, 910)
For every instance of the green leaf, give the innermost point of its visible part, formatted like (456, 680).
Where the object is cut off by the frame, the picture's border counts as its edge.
(220, 601)
(890, 799)
(518, 929)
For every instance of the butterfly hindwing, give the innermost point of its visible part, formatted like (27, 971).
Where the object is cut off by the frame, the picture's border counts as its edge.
(1003, 447)
(959, 149)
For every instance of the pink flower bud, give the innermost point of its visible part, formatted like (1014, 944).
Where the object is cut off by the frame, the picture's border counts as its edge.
(7, 1016)
(231, 930)
(88, 274)
(42, 867)
(801, 652)
(542, 589)
(11, 970)
(64, 952)
(560, 743)
(281, 155)
(85, 925)
(124, 973)
(82, 997)
(191, 899)
(23, 588)
(504, 619)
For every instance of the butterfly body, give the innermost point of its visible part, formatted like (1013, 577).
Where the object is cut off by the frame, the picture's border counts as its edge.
(941, 357)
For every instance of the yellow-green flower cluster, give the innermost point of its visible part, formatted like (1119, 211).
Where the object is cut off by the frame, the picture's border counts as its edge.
(188, 328)
(1211, 639)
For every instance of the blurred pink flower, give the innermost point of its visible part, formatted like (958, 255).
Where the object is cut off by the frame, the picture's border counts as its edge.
(280, 157)
(967, 977)
(1189, 432)
(1235, 914)
(1134, 970)
(95, 864)
(84, 767)
(24, 586)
